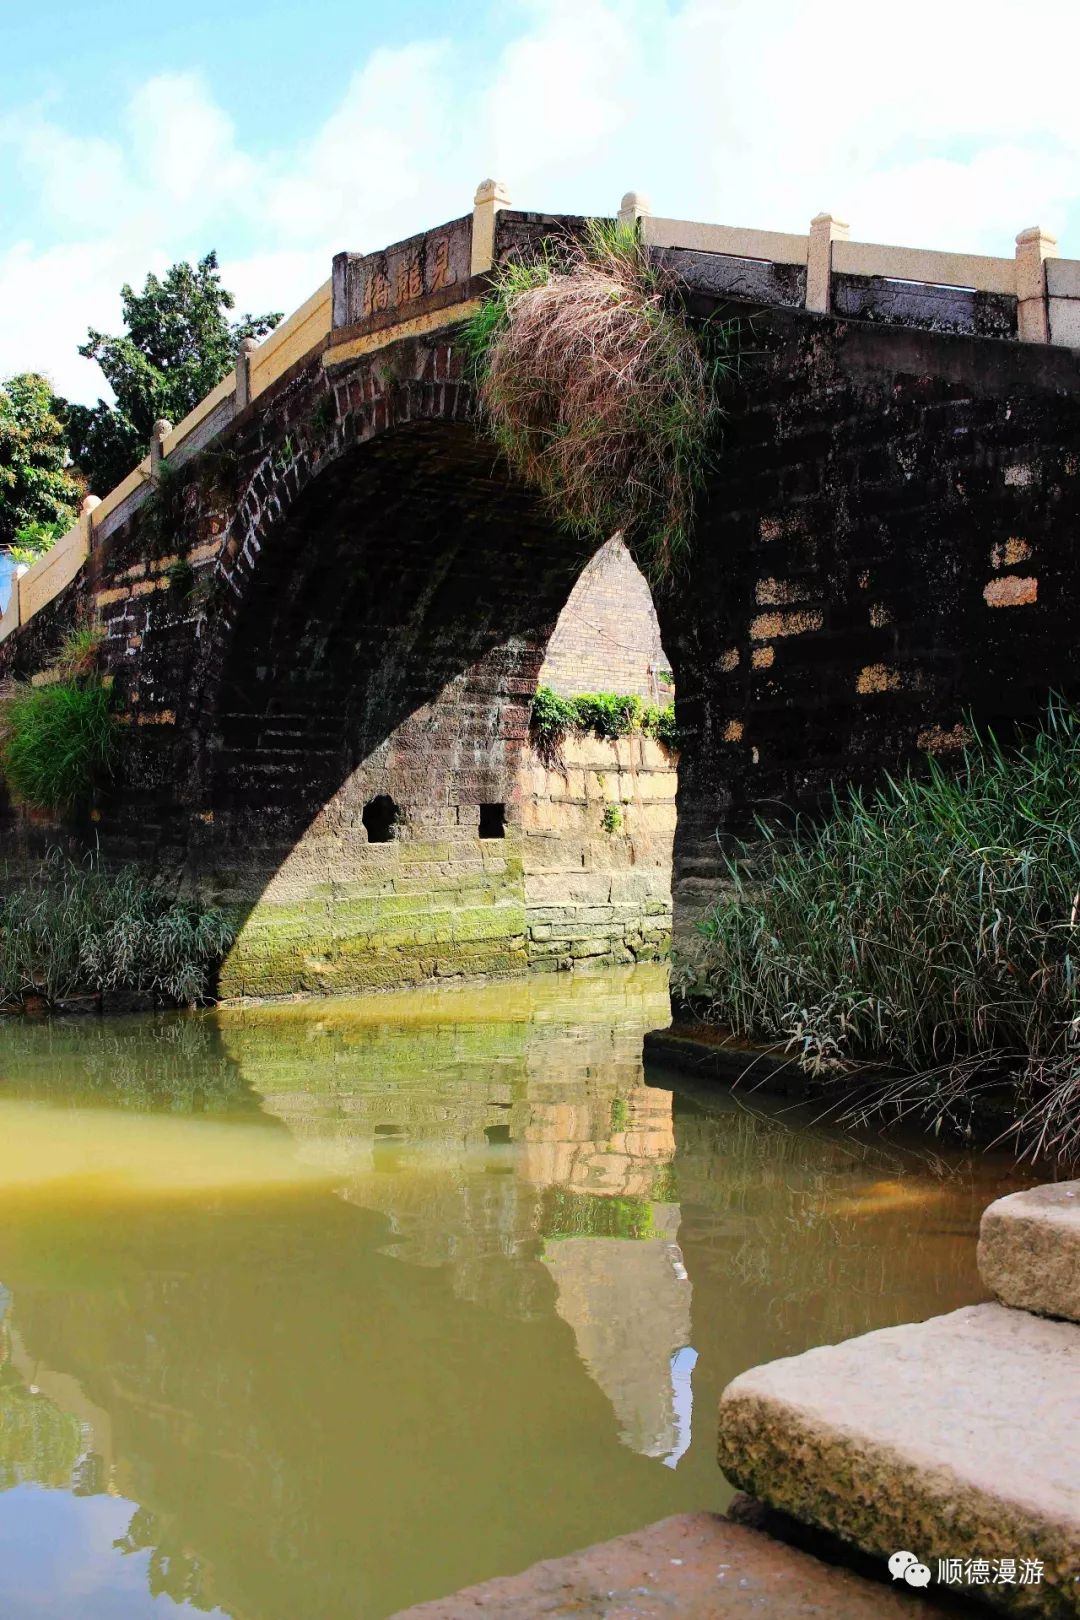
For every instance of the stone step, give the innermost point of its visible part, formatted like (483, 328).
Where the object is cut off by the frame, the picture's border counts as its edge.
(1029, 1249)
(696, 1566)
(957, 1438)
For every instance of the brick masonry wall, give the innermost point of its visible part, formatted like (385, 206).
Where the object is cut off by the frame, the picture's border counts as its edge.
(593, 893)
(886, 551)
(608, 637)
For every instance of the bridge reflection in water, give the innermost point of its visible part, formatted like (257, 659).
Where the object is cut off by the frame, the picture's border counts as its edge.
(324, 1309)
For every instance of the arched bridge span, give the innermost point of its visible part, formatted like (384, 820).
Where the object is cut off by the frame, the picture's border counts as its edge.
(326, 629)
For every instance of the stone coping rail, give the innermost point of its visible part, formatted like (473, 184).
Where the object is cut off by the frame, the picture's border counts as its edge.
(433, 279)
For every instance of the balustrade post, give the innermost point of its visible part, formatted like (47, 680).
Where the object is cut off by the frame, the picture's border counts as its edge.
(247, 348)
(158, 434)
(86, 521)
(491, 195)
(1033, 248)
(825, 229)
(634, 206)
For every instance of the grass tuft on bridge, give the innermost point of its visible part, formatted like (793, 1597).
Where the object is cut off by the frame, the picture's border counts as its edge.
(600, 392)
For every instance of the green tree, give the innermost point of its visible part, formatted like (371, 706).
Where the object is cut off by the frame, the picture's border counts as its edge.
(178, 344)
(39, 493)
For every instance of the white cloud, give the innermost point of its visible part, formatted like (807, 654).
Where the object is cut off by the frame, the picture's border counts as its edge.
(182, 148)
(922, 127)
(560, 92)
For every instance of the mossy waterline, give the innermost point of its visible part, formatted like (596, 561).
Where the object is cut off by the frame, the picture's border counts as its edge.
(599, 391)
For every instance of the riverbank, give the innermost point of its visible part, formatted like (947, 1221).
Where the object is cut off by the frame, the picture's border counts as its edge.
(711, 1054)
(696, 1566)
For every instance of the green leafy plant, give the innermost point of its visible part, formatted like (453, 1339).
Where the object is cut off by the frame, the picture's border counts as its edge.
(603, 714)
(551, 718)
(57, 739)
(933, 926)
(76, 927)
(162, 514)
(658, 721)
(285, 454)
(612, 819)
(33, 540)
(599, 391)
(609, 714)
(80, 653)
(181, 577)
(324, 416)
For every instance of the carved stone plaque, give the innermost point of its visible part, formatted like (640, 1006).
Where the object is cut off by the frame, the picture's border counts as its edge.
(400, 277)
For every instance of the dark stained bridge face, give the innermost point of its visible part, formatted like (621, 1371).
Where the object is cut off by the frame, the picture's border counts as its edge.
(369, 704)
(886, 550)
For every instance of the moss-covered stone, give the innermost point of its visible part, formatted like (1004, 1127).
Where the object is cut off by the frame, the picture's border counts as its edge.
(366, 944)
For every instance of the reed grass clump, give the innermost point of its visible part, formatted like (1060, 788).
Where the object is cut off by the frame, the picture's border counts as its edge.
(58, 741)
(74, 928)
(932, 926)
(598, 390)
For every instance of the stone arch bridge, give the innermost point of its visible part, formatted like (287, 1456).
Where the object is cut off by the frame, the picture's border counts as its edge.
(327, 601)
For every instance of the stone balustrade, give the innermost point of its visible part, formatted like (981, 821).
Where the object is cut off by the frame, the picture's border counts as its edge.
(436, 278)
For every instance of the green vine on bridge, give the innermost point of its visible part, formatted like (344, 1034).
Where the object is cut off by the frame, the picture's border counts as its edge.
(600, 391)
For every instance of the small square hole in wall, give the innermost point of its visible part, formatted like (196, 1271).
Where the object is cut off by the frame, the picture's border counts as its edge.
(380, 817)
(493, 821)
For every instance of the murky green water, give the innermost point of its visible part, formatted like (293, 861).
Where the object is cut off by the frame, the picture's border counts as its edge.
(317, 1311)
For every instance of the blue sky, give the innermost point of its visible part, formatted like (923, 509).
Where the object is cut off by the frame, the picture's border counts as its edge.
(132, 135)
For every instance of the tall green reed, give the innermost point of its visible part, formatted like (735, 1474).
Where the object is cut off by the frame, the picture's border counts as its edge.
(931, 926)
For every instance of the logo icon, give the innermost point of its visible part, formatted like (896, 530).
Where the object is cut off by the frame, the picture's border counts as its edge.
(904, 1566)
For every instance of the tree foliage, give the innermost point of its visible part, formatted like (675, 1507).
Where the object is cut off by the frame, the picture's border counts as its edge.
(39, 494)
(177, 345)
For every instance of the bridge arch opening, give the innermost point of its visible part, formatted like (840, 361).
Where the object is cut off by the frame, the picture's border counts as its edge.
(375, 808)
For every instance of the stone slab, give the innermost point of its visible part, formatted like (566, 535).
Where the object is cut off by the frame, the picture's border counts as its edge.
(953, 1438)
(1063, 278)
(696, 1566)
(1029, 1249)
